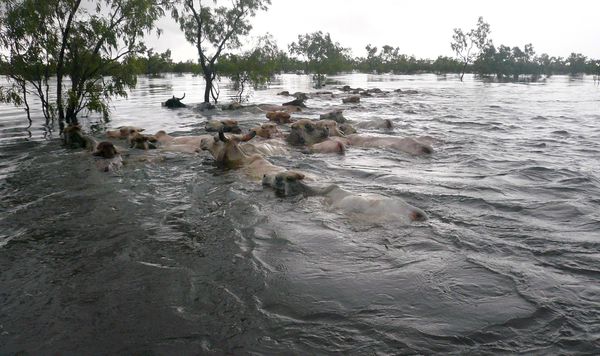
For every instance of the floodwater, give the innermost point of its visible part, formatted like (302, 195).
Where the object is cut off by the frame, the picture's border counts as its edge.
(174, 255)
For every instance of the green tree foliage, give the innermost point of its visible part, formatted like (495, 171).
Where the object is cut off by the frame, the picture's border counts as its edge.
(390, 60)
(372, 63)
(255, 68)
(550, 65)
(186, 67)
(159, 62)
(443, 65)
(322, 55)
(27, 54)
(468, 46)
(512, 63)
(214, 27)
(577, 63)
(77, 42)
(153, 63)
(506, 62)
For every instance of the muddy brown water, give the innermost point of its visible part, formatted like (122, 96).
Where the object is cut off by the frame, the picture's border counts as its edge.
(177, 256)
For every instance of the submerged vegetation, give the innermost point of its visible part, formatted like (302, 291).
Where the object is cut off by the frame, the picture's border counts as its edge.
(476, 50)
(471, 45)
(214, 28)
(254, 68)
(75, 55)
(75, 43)
(321, 55)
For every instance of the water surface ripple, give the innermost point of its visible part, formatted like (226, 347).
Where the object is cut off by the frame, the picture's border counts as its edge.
(177, 256)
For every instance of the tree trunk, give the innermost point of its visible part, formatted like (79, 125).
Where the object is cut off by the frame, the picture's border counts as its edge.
(71, 117)
(208, 79)
(59, 102)
(462, 74)
(60, 65)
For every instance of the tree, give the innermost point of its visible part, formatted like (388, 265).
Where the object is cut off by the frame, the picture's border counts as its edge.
(255, 67)
(577, 63)
(26, 54)
(76, 40)
(215, 28)
(323, 56)
(468, 46)
(523, 61)
(154, 63)
(187, 66)
(593, 67)
(444, 65)
(372, 59)
(159, 62)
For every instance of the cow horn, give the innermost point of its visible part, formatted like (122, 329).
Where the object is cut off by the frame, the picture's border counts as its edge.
(222, 136)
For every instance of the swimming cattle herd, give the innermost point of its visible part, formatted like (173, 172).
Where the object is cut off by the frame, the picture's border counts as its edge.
(283, 131)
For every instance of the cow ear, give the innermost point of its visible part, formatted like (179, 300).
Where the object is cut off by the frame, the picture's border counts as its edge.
(292, 176)
(248, 136)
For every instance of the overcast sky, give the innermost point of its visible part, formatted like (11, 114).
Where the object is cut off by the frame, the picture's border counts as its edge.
(423, 28)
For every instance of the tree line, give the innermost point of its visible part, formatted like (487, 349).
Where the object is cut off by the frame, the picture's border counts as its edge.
(266, 58)
(75, 55)
(316, 53)
(476, 51)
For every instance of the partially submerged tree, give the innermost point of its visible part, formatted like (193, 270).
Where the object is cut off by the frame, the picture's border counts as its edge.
(155, 63)
(254, 68)
(78, 41)
(468, 46)
(372, 61)
(390, 60)
(214, 28)
(322, 55)
(577, 63)
(444, 64)
(27, 54)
